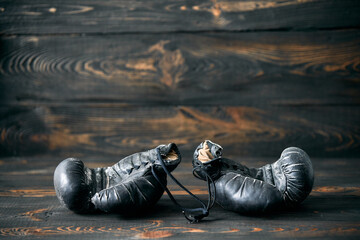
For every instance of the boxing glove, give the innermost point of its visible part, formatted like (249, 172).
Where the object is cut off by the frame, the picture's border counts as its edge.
(286, 182)
(127, 186)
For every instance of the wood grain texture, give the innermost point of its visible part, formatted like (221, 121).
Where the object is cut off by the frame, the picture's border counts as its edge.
(44, 17)
(100, 80)
(29, 208)
(112, 129)
(286, 68)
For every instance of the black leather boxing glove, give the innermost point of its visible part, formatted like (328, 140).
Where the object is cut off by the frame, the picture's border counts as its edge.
(127, 186)
(286, 182)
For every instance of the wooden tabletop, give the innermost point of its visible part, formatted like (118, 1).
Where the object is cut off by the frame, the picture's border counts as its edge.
(29, 207)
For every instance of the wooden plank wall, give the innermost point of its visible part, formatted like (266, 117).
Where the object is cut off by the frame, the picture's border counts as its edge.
(113, 77)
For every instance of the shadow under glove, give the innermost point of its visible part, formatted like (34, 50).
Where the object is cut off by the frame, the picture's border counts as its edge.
(285, 183)
(125, 187)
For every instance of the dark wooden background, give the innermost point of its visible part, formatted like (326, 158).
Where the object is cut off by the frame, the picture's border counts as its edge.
(103, 79)
(94, 77)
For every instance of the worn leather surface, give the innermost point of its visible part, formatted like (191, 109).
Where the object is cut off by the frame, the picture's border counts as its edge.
(126, 186)
(286, 182)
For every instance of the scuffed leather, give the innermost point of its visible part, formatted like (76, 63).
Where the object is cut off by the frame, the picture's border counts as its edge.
(126, 186)
(286, 182)
(240, 193)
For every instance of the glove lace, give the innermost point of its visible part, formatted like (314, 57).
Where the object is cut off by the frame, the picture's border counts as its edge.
(193, 215)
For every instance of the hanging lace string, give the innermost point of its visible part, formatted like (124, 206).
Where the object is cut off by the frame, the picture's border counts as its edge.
(191, 214)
